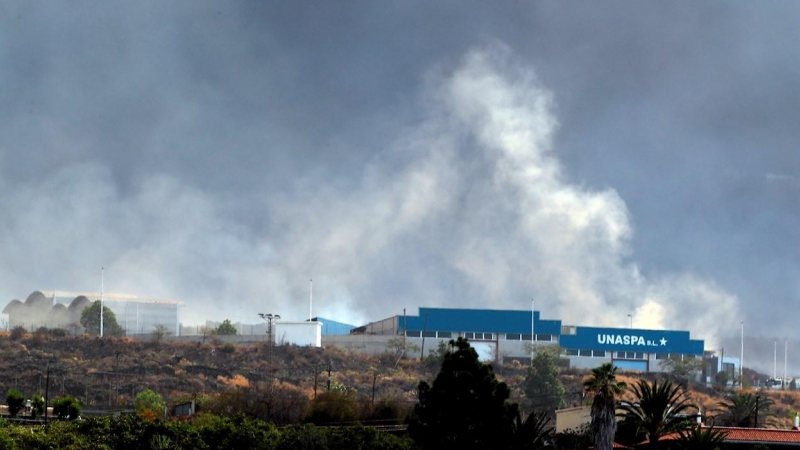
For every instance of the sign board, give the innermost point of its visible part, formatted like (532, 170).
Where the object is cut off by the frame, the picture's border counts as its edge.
(632, 340)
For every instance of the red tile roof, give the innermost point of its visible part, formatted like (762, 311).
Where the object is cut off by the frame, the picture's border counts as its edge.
(756, 435)
(760, 435)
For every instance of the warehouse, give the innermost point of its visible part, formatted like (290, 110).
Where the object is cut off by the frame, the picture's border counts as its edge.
(505, 335)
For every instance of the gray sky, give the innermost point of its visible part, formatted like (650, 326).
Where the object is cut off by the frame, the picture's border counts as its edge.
(624, 158)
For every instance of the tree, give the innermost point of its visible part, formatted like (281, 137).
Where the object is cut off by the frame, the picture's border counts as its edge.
(37, 406)
(149, 404)
(605, 387)
(90, 320)
(698, 438)
(744, 410)
(466, 407)
(721, 380)
(436, 356)
(67, 407)
(160, 332)
(532, 434)
(15, 402)
(400, 345)
(226, 328)
(658, 409)
(683, 368)
(542, 385)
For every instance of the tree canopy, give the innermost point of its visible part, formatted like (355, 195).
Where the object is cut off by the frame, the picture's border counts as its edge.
(542, 385)
(226, 328)
(659, 409)
(15, 402)
(67, 407)
(685, 368)
(744, 410)
(149, 404)
(90, 320)
(466, 407)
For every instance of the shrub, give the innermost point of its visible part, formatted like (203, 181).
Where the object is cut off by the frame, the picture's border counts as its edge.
(67, 407)
(149, 404)
(333, 407)
(37, 406)
(15, 401)
(18, 332)
(228, 347)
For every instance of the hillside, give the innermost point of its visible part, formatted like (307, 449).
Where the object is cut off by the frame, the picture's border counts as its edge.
(107, 373)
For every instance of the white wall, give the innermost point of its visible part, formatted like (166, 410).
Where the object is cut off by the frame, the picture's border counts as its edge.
(298, 333)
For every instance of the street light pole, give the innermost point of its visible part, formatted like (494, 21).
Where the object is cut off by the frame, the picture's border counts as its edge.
(533, 330)
(741, 358)
(102, 288)
(631, 318)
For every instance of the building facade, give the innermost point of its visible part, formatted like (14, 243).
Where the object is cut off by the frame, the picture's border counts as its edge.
(505, 335)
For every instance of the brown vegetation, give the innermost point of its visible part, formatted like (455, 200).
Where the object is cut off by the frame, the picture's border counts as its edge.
(275, 383)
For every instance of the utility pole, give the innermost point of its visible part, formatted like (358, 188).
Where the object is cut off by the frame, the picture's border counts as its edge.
(741, 360)
(533, 331)
(329, 375)
(102, 288)
(46, 394)
(270, 318)
(374, 378)
(316, 374)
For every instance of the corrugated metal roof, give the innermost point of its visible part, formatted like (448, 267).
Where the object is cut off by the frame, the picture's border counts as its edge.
(478, 320)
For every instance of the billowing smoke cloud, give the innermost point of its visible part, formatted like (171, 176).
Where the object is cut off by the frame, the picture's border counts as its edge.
(474, 209)
(469, 207)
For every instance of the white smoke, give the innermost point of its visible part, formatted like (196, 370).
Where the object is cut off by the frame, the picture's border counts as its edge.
(471, 208)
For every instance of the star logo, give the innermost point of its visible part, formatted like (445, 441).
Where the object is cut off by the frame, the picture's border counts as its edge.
(663, 342)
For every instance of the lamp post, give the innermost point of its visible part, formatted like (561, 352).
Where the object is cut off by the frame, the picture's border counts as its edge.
(533, 330)
(270, 318)
(741, 359)
(631, 319)
(102, 288)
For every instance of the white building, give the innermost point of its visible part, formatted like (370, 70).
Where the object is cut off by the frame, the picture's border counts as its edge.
(61, 309)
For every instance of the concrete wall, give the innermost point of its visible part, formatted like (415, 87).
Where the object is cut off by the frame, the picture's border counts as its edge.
(370, 344)
(572, 418)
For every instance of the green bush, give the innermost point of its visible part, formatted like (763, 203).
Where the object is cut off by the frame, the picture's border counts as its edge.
(228, 347)
(15, 401)
(333, 407)
(67, 407)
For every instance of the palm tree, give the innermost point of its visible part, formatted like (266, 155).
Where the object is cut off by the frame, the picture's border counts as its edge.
(605, 387)
(658, 409)
(699, 438)
(744, 410)
(534, 433)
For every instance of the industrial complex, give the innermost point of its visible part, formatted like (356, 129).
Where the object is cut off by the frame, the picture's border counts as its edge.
(504, 335)
(497, 335)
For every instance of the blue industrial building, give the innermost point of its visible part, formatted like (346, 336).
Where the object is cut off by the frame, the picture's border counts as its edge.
(332, 327)
(508, 334)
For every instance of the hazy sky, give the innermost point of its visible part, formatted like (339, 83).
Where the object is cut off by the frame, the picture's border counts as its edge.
(603, 159)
